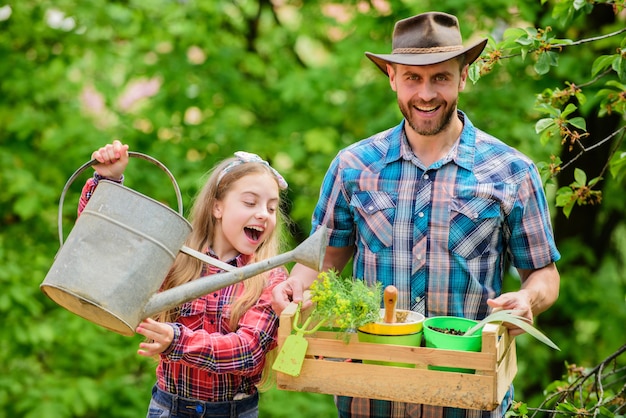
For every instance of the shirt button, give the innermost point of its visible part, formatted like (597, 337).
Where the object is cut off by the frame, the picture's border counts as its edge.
(370, 208)
(426, 176)
(419, 257)
(421, 214)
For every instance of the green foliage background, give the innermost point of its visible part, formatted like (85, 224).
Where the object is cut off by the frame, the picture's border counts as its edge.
(287, 80)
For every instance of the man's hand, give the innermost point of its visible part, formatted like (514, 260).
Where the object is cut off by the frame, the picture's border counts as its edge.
(301, 278)
(516, 301)
(291, 290)
(540, 289)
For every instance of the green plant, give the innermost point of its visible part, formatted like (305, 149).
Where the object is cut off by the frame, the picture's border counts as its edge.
(508, 315)
(347, 303)
(598, 391)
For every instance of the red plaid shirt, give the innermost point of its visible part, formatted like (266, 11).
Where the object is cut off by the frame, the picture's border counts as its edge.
(209, 361)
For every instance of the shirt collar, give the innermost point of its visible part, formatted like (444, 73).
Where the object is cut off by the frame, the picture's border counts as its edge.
(398, 144)
(238, 261)
(464, 155)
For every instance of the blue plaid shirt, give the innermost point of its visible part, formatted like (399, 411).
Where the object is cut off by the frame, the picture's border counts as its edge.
(439, 234)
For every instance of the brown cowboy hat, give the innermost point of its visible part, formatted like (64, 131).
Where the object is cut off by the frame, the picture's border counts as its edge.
(428, 38)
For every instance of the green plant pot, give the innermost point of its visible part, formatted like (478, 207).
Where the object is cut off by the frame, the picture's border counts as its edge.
(441, 340)
(405, 333)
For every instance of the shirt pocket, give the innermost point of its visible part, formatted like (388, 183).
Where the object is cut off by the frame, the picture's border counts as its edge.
(374, 213)
(192, 314)
(475, 225)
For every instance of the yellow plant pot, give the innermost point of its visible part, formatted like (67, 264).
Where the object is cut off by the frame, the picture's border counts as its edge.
(408, 333)
(412, 325)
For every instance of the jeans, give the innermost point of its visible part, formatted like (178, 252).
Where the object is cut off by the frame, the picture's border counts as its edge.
(166, 405)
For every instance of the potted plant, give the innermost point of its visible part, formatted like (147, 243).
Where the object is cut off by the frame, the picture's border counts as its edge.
(456, 333)
(343, 303)
(399, 327)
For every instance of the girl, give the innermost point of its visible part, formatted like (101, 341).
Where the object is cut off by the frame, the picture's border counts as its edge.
(212, 351)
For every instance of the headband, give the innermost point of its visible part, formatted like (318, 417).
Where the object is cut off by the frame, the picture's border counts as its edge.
(248, 157)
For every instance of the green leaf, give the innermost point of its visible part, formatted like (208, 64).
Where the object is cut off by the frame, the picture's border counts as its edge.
(569, 109)
(514, 33)
(619, 65)
(578, 122)
(543, 124)
(509, 316)
(563, 196)
(474, 72)
(554, 58)
(567, 208)
(616, 84)
(547, 134)
(580, 176)
(617, 165)
(568, 407)
(547, 108)
(602, 63)
(542, 66)
(594, 181)
(605, 412)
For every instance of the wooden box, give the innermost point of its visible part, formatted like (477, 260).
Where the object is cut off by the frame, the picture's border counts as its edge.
(325, 369)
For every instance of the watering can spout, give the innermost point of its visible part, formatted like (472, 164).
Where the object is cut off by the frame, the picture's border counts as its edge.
(309, 253)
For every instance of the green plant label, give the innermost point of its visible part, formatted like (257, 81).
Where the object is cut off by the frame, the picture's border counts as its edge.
(291, 356)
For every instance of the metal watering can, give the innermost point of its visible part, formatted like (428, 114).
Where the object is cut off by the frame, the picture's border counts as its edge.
(123, 245)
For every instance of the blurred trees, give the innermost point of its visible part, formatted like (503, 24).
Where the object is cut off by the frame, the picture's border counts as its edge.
(190, 82)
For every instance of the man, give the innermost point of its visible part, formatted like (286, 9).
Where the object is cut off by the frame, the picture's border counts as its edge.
(434, 206)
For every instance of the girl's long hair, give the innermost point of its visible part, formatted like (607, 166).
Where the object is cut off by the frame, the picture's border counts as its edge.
(186, 268)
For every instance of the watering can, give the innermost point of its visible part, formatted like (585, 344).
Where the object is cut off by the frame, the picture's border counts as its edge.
(110, 268)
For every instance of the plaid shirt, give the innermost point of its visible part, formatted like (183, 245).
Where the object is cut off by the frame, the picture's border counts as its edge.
(440, 234)
(207, 360)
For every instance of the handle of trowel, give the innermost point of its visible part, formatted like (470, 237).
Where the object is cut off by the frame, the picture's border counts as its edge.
(390, 298)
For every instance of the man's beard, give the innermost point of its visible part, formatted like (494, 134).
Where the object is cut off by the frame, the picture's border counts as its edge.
(431, 127)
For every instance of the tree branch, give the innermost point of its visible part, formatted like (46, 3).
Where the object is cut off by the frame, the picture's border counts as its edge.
(575, 392)
(595, 38)
(579, 42)
(596, 145)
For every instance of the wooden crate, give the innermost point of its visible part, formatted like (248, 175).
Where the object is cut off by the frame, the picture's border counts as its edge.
(323, 371)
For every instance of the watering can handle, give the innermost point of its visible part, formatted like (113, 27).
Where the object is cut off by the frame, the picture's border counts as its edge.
(93, 162)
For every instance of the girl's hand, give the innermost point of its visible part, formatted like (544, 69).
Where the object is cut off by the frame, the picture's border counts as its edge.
(161, 335)
(112, 159)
